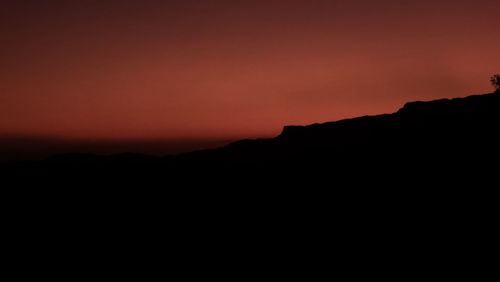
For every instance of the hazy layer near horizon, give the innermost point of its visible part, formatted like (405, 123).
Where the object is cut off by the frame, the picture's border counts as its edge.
(36, 148)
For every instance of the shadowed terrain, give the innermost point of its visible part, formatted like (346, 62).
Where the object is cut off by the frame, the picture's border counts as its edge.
(424, 178)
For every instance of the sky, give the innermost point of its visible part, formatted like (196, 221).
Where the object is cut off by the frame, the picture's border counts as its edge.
(149, 69)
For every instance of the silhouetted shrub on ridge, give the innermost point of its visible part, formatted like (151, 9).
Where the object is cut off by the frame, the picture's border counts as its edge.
(495, 81)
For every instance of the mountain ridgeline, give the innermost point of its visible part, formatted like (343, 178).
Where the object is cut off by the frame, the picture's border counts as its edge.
(438, 135)
(453, 136)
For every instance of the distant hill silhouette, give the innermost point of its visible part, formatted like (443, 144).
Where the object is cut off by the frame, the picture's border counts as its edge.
(15, 147)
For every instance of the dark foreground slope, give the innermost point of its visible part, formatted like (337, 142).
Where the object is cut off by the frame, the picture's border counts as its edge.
(412, 192)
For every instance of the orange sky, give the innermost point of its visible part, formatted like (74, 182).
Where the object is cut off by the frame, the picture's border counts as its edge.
(232, 69)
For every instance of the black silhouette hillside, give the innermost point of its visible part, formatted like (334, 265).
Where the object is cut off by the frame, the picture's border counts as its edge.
(438, 135)
(419, 180)
(421, 139)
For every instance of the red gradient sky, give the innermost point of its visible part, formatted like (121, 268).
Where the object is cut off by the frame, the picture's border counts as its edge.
(232, 69)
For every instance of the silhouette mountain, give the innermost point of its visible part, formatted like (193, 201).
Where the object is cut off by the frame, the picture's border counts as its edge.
(412, 182)
(432, 137)
(443, 134)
